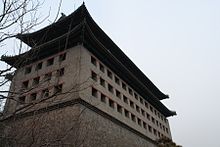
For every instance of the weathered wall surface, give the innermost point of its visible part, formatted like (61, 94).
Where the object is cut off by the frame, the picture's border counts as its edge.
(75, 126)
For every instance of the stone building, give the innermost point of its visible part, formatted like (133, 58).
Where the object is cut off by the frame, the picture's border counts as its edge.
(76, 87)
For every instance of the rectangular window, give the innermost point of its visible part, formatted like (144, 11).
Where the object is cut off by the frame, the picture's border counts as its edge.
(125, 99)
(130, 91)
(93, 61)
(132, 104)
(139, 121)
(153, 120)
(36, 81)
(102, 82)
(142, 101)
(167, 130)
(148, 116)
(33, 96)
(119, 108)
(50, 61)
(151, 109)
(133, 118)
(58, 89)
(110, 88)
(25, 84)
(164, 128)
(102, 68)
(111, 103)
(118, 94)
(60, 72)
(103, 98)
(39, 66)
(137, 108)
(117, 81)
(155, 112)
(109, 73)
(146, 104)
(136, 96)
(150, 128)
(144, 125)
(126, 113)
(155, 132)
(94, 76)
(157, 123)
(94, 92)
(142, 112)
(45, 93)
(124, 86)
(28, 70)
(62, 57)
(21, 100)
(47, 76)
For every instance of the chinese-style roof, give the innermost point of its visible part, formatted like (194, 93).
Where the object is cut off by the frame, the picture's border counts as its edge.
(80, 28)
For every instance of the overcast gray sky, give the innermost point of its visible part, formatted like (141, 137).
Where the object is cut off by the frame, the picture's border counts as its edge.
(176, 44)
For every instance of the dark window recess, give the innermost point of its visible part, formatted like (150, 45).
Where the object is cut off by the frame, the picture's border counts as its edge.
(124, 86)
(136, 96)
(145, 125)
(130, 91)
(117, 81)
(155, 112)
(21, 100)
(160, 125)
(111, 103)
(126, 113)
(102, 82)
(33, 96)
(132, 104)
(102, 68)
(28, 70)
(48, 76)
(151, 109)
(109, 73)
(25, 84)
(118, 94)
(141, 100)
(159, 134)
(62, 57)
(142, 112)
(94, 76)
(133, 118)
(119, 108)
(146, 104)
(167, 130)
(138, 109)
(153, 120)
(157, 123)
(148, 116)
(155, 132)
(139, 121)
(39, 66)
(58, 89)
(103, 98)
(110, 88)
(125, 99)
(150, 128)
(60, 72)
(93, 61)
(94, 92)
(50, 61)
(45, 93)
(163, 128)
(36, 81)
